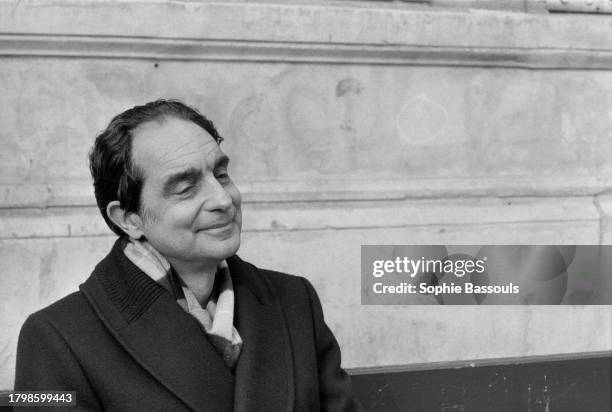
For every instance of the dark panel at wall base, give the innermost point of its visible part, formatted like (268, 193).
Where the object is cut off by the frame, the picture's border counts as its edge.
(546, 386)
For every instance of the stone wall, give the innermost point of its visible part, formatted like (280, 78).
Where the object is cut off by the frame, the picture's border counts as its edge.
(347, 124)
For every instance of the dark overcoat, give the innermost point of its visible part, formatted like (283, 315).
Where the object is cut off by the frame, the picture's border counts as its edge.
(124, 344)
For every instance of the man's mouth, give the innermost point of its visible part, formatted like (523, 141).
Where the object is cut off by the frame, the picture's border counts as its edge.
(219, 225)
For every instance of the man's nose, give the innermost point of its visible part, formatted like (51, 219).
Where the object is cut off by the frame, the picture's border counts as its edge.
(217, 197)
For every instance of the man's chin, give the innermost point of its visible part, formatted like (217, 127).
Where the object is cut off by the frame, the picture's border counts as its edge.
(234, 248)
(226, 248)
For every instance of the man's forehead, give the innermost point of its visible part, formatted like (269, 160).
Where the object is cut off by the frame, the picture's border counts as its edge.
(173, 144)
(211, 162)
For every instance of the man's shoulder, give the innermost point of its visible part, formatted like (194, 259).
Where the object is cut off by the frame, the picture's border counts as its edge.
(271, 275)
(289, 288)
(282, 278)
(70, 312)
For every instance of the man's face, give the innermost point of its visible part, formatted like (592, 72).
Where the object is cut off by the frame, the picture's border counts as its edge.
(190, 207)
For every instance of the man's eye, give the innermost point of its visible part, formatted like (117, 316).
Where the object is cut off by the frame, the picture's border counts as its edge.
(222, 176)
(184, 189)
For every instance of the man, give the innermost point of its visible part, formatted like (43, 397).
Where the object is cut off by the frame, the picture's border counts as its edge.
(172, 319)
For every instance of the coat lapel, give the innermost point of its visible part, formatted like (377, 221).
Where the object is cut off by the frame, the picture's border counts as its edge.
(158, 333)
(264, 377)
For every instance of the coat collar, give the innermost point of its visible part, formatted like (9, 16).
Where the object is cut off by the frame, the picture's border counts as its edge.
(264, 373)
(165, 340)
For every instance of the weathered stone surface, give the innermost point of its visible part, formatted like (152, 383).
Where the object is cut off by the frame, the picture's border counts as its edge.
(603, 203)
(320, 124)
(24, 266)
(343, 22)
(406, 335)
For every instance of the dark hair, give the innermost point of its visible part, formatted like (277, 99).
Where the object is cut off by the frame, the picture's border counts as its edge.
(115, 177)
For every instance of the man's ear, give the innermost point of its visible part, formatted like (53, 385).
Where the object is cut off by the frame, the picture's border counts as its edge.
(130, 222)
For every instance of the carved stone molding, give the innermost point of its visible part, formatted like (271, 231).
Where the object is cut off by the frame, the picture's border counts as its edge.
(15, 45)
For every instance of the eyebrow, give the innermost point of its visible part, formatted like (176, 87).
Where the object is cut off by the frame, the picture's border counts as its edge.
(191, 174)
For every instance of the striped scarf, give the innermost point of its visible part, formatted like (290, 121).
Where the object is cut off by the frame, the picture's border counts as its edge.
(217, 318)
